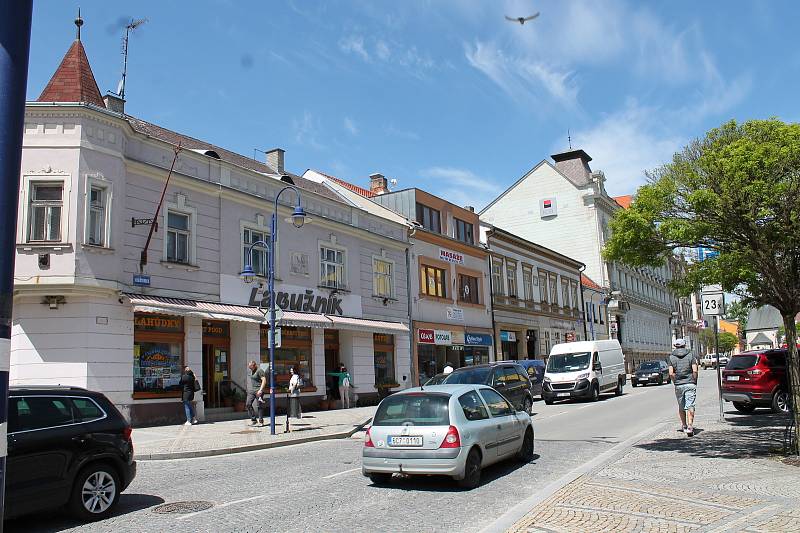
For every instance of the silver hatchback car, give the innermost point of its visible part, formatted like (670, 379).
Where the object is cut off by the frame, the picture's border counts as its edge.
(451, 430)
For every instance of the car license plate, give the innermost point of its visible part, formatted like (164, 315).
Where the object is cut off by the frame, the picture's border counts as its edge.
(402, 440)
(563, 394)
(733, 378)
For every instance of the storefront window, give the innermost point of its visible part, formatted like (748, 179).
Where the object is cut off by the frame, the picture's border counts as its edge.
(294, 351)
(384, 358)
(475, 355)
(157, 354)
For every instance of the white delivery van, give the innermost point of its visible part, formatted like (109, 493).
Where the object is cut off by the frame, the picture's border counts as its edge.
(583, 369)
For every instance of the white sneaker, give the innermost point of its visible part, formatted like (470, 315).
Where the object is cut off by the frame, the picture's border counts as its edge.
(187, 423)
(195, 422)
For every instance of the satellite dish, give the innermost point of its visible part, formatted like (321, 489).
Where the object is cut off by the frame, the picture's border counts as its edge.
(393, 182)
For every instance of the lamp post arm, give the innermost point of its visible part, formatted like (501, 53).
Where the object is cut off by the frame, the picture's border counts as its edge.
(292, 187)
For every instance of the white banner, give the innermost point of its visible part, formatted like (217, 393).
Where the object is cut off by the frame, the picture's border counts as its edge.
(442, 337)
(455, 313)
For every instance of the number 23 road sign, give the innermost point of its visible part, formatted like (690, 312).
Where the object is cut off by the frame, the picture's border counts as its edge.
(713, 304)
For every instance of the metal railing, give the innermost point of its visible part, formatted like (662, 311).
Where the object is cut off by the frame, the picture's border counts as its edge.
(223, 389)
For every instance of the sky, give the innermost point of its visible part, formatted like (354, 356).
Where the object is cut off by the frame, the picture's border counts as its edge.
(444, 95)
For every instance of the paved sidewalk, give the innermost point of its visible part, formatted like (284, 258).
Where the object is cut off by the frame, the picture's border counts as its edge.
(219, 438)
(722, 479)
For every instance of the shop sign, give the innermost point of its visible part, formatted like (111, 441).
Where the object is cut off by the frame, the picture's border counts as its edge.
(457, 337)
(478, 339)
(451, 257)
(213, 328)
(162, 323)
(305, 302)
(508, 336)
(425, 336)
(442, 337)
(141, 280)
(455, 313)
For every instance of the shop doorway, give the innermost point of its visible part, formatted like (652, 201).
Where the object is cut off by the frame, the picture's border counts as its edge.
(532, 337)
(216, 362)
(332, 363)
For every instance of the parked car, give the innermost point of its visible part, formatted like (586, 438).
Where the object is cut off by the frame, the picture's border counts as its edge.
(67, 446)
(723, 360)
(436, 380)
(584, 370)
(651, 372)
(757, 378)
(709, 360)
(451, 430)
(535, 370)
(508, 378)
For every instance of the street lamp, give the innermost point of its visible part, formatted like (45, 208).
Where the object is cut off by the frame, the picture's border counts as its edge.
(298, 219)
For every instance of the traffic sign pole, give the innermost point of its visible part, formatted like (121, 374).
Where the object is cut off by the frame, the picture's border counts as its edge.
(713, 302)
(719, 371)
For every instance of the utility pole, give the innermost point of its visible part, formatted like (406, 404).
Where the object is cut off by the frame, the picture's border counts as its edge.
(15, 42)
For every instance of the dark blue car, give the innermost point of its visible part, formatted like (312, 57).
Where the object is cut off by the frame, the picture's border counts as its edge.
(535, 370)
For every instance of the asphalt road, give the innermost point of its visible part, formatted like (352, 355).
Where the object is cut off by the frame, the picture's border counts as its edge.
(319, 486)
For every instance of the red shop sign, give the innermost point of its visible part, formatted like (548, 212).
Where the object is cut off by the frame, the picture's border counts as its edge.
(425, 336)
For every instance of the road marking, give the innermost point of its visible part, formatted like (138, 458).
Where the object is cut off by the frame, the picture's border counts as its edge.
(340, 473)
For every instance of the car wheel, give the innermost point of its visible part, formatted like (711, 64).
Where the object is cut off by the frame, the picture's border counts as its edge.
(525, 454)
(744, 407)
(634, 383)
(595, 392)
(780, 402)
(527, 405)
(472, 470)
(548, 401)
(380, 479)
(95, 492)
(661, 380)
(618, 390)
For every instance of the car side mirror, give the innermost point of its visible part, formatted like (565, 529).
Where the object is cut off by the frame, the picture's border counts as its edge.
(500, 385)
(598, 367)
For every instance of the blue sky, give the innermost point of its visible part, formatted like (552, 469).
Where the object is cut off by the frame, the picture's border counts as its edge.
(444, 95)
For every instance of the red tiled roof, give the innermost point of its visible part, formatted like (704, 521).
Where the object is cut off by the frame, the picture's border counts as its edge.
(366, 193)
(73, 80)
(586, 281)
(624, 201)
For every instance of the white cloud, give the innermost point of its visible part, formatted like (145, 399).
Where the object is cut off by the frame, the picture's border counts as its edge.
(627, 143)
(382, 50)
(521, 78)
(354, 44)
(462, 187)
(350, 126)
(307, 130)
(400, 133)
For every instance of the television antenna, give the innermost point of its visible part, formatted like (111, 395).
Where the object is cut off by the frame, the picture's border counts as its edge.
(130, 27)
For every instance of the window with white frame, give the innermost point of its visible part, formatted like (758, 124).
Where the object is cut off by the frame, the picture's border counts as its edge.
(97, 218)
(331, 267)
(574, 290)
(46, 204)
(497, 277)
(553, 289)
(527, 282)
(178, 237)
(511, 278)
(382, 277)
(564, 293)
(258, 259)
(543, 287)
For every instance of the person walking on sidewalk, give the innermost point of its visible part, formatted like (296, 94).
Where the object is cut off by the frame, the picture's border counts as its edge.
(256, 386)
(683, 373)
(189, 384)
(295, 384)
(345, 382)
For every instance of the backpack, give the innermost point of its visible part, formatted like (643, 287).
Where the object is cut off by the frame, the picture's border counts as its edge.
(346, 381)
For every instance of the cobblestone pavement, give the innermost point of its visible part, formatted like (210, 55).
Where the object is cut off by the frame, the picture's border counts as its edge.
(722, 479)
(179, 441)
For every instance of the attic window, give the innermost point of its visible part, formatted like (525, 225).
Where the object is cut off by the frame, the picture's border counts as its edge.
(212, 153)
(287, 179)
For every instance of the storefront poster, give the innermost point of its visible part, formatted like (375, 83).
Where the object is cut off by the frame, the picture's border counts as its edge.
(457, 337)
(508, 336)
(478, 339)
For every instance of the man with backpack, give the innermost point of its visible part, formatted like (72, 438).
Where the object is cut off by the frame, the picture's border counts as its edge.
(683, 373)
(345, 382)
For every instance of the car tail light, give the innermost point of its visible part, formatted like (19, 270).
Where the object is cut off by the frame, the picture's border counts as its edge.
(127, 431)
(368, 439)
(452, 439)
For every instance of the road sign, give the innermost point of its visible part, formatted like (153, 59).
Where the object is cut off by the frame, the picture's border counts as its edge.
(277, 337)
(713, 304)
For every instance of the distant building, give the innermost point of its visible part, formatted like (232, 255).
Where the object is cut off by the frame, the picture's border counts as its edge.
(595, 311)
(762, 327)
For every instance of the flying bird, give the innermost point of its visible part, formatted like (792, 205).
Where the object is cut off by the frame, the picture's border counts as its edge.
(522, 20)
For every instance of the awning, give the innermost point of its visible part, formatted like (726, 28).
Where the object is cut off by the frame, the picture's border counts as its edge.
(364, 324)
(244, 313)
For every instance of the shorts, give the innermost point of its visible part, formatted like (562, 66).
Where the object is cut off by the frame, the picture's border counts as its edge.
(686, 395)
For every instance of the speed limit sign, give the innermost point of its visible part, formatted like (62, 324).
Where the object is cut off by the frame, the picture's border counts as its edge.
(713, 304)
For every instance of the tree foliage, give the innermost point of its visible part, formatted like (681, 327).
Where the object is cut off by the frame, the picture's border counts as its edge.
(737, 311)
(727, 341)
(736, 191)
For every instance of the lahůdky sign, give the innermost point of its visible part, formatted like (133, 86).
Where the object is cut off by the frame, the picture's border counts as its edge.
(303, 302)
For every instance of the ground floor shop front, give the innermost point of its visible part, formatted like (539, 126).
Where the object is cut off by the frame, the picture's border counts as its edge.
(134, 349)
(439, 345)
(531, 336)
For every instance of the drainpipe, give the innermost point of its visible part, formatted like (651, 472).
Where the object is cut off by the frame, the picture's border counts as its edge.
(412, 230)
(583, 304)
(491, 296)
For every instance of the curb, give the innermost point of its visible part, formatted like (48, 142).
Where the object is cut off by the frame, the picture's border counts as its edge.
(507, 520)
(250, 447)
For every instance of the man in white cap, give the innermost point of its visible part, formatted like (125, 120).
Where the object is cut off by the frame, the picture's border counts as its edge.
(448, 369)
(683, 373)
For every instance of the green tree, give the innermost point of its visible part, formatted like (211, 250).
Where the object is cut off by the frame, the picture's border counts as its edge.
(727, 342)
(737, 311)
(737, 192)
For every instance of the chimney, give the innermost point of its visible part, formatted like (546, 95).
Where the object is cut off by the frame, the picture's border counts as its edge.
(114, 103)
(575, 166)
(275, 159)
(469, 208)
(378, 184)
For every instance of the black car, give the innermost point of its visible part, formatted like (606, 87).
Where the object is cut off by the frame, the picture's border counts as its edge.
(508, 378)
(651, 372)
(535, 370)
(67, 446)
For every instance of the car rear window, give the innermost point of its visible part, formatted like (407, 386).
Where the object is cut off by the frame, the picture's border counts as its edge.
(414, 409)
(472, 376)
(741, 362)
(653, 365)
(87, 409)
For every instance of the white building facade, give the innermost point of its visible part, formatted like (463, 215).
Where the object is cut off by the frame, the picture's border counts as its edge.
(564, 206)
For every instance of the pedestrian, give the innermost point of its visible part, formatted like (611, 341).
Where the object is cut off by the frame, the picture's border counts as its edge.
(683, 373)
(256, 386)
(189, 384)
(345, 382)
(295, 384)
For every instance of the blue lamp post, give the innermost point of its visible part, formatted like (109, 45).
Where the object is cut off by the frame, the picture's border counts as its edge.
(298, 219)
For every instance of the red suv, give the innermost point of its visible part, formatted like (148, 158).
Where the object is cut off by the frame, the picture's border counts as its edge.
(757, 379)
